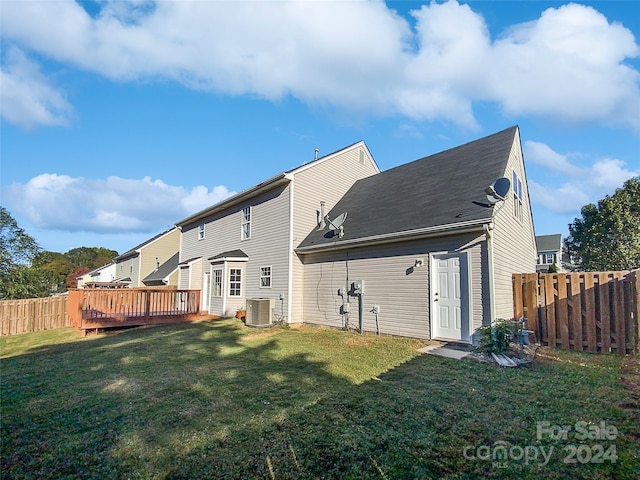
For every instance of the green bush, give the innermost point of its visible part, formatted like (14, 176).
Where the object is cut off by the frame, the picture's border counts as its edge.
(496, 338)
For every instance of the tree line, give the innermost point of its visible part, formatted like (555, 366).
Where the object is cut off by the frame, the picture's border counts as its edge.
(28, 271)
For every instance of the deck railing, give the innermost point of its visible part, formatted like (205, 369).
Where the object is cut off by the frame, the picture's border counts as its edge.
(102, 308)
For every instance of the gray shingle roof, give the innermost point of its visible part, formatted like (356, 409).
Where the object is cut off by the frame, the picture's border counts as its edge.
(279, 179)
(163, 270)
(229, 254)
(549, 243)
(436, 191)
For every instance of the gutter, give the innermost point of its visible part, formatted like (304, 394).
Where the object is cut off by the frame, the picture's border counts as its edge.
(439, 230)
(262, 187)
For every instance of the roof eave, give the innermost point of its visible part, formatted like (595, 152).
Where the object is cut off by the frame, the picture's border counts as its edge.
(262, 187)
(436, 231)
(227, 259)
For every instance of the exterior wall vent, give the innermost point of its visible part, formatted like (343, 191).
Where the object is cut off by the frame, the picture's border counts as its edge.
(260, 311)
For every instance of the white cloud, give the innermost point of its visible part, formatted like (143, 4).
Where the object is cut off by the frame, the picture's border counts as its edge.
(578, 184)
(566, 198)
(541, 154)
(569, 65)
(110, 205)
(27, 97)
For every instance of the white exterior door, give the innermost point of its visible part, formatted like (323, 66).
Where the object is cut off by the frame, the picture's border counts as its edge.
(450, 301)
(206, 291)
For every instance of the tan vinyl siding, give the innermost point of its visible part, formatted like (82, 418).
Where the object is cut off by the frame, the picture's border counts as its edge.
(336, 175)
(183, 279)
(191, 275)
(196, 275)
(130, 269)
(401, 292)
(513, 240)
(124, 270)
(163, 248)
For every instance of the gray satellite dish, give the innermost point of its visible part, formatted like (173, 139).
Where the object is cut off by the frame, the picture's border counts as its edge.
(498, 191)
(336, 224)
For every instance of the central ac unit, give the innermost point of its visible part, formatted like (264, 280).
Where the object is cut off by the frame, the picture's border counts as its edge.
(259, 311)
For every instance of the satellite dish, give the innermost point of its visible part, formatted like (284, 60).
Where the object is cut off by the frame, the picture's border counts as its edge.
(501, 187)
(336, 224)
(498, 191)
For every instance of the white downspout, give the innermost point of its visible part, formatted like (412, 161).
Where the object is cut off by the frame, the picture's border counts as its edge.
(488, 229)
(224, 289)
(290, 266)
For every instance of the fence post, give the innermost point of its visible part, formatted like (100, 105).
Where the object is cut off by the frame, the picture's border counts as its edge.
(633, 301)
(619, 318)
(518, 306)
(575, 305)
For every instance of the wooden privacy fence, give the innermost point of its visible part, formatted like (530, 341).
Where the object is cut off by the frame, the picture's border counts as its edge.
(32, 315)
(589, 311)
(103, 308)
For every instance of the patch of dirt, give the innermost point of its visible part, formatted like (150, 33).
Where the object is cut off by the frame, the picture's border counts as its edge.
(359, 341)
(263, 333)
(522, 358)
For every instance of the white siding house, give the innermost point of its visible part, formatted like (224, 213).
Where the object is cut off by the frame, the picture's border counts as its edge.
(243, 247)
(430, 244)
(549, 252)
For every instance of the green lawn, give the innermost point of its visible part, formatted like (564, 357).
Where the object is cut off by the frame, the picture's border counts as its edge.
(219, 400)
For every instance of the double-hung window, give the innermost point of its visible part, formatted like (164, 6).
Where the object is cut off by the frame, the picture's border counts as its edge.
(235, 282)
(265, 277)
(517, 196)
(246, 223)
(201, 231)
(216, 284)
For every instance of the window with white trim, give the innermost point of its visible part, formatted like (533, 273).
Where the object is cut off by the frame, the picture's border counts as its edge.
(246, 223)
(517, 196)
(131, 265)
(548, 258)
(235, 282)
(265, 277)
(216, 283)
(201, 231)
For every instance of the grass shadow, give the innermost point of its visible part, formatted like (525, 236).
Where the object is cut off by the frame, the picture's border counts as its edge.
(219, 400)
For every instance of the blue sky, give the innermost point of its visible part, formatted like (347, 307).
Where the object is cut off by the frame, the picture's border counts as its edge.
(121, 118)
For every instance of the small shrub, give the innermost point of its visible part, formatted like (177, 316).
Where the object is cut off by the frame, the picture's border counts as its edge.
(496, 338)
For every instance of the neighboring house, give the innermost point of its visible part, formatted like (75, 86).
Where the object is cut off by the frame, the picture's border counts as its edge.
(165, 274)
(106, 273)
(243, 247)
(549, 248)
(433, 254)
(141, 261)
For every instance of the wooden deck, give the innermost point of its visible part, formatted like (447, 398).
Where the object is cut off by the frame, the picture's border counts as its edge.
(94, 309)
